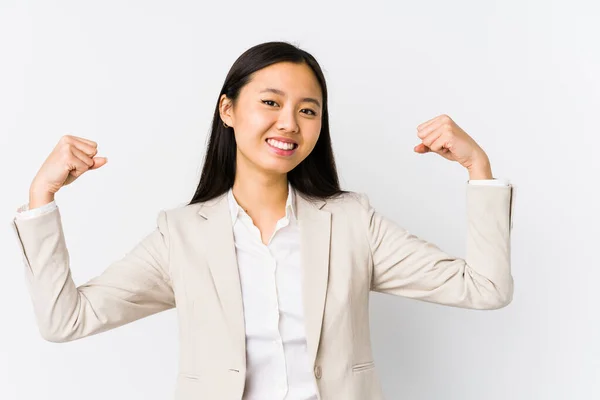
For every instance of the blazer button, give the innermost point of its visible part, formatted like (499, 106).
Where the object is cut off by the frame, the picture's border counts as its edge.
(318, 372)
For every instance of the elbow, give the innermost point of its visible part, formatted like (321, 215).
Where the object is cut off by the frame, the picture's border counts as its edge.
(491, 294)
(502, 301)
(52, 337)
(506, 295)
(501, 298)
(56, 335)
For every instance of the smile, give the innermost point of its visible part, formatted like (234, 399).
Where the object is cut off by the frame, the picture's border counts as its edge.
(281, 148)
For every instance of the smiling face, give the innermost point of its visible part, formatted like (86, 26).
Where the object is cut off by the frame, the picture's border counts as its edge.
(282, 101)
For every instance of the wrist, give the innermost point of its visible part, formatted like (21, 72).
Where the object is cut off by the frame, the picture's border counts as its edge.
(481, 169)
(38, 198)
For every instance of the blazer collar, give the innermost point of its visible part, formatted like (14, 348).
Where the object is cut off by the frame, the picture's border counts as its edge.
(290, 204)
(216, 233)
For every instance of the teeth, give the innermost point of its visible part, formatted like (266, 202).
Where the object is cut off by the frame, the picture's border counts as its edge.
(280, 145)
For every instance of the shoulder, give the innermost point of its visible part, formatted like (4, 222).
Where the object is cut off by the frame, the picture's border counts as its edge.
(349, 202)
(185, 211)
(172, 216)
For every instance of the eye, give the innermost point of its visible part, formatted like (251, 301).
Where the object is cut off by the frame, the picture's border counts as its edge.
(310, 112)
(268, 101)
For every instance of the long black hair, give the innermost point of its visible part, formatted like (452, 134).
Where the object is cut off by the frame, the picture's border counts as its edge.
(315, 177)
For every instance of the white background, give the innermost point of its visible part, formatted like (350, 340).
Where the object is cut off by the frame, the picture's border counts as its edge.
(142, 79)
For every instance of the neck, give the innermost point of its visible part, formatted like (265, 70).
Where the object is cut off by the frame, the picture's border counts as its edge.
(261, 194)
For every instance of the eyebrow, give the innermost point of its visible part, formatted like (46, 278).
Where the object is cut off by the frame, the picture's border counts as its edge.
(281, 93)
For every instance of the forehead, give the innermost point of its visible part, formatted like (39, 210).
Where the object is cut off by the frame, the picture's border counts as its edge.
(296, 80)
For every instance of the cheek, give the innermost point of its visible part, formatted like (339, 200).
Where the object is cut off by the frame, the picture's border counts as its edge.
(311, 138)
(251, 130)
(248, 142)
(255, 121)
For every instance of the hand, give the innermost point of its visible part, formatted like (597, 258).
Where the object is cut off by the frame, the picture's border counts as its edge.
(443, 136)
(71, 157)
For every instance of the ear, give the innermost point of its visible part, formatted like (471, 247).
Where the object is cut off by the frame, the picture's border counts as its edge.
(226, 109)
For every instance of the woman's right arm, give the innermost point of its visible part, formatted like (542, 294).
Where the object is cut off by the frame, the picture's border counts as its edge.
(133, 287)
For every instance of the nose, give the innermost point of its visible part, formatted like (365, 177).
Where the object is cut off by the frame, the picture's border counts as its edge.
(287, 120)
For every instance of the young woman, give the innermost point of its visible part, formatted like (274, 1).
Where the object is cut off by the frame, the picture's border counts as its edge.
(271, 263)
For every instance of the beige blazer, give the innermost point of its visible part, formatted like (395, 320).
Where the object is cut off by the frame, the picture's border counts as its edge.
(348, 249)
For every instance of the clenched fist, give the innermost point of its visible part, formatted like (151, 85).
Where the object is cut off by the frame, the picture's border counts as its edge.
(443, 136)
(71, 157)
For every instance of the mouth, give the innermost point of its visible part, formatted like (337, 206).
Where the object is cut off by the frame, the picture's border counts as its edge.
(281, 148)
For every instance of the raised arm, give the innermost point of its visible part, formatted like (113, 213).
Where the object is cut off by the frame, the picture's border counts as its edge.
(133, 287)
(406, 265)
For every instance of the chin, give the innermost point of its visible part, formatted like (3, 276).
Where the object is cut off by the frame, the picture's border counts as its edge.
(281, 169)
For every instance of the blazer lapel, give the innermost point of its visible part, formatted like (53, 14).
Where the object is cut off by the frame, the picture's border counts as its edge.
(216, 232)
(315, 235)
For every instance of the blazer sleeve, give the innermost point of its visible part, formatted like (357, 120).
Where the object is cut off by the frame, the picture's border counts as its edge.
(133, 287)
(405, 265)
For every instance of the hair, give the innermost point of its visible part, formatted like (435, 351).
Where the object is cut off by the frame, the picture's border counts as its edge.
(315, 177)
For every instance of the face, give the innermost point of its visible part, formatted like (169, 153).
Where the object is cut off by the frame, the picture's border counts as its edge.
(282, 101)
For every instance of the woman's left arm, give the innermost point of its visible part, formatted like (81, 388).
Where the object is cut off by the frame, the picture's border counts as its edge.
(408, 266)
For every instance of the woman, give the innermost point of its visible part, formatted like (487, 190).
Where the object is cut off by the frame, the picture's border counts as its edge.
(271, 263)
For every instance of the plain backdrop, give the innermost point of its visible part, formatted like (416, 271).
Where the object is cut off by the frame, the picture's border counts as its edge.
(142, 78)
